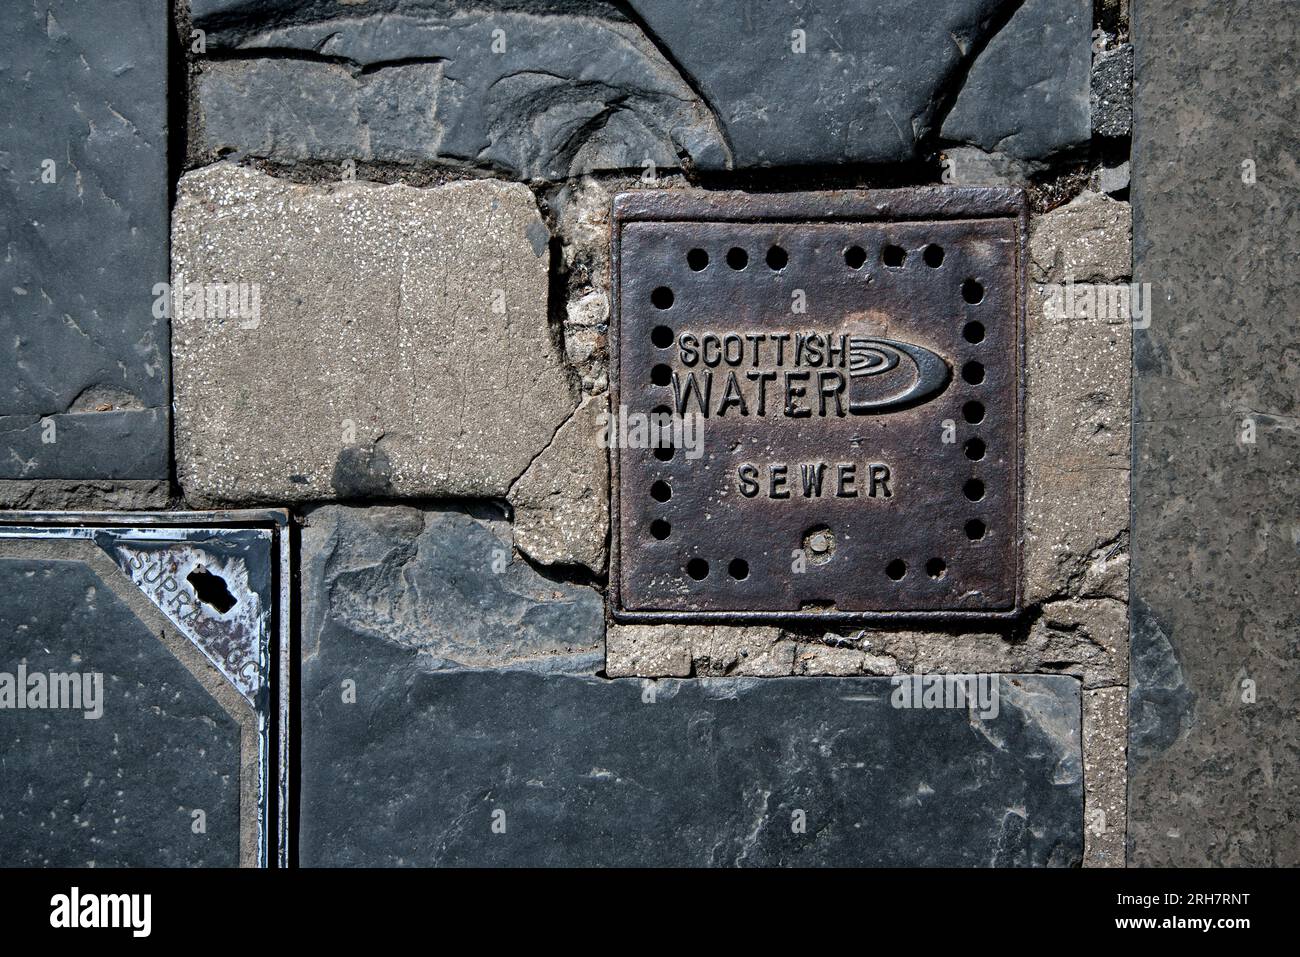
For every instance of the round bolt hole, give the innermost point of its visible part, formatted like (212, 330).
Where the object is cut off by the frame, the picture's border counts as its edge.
(661, 374)
(975, 529)
(936, 568)
(738, 569)
(661, 336)
(662, 298)
(973, 412)
(973, 332)
(975, 449)
(661, 491)
(893, 256)
(854, 257)
(933, 256)
(819, 544)
(697, 259)
(660, 529)
(972, 372)
(665, 453)
(896, 569)
(973, 490)
(698, 569)
(972, 291)
(737, 258)
(777, 258)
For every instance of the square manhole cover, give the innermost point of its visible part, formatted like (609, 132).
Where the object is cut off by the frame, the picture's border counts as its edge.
(816, 405)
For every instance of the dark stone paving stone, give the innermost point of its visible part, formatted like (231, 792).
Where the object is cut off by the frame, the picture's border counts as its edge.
(1026, 95)
(118, 790)
(1214, 769)
(83, 85)
(875, 81)
(442, 583)
(585, 771)
(405, 81)
(602, 85)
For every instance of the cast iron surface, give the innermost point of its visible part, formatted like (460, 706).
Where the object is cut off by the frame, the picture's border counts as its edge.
(855, 358)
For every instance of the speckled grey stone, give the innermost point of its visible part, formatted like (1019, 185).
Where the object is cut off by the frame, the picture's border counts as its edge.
(402, 347)
(516, 768)
(1026, 95)
(1112, 91)
(83, 100)
(1214, 768)
(442, 584)
(1105, 727)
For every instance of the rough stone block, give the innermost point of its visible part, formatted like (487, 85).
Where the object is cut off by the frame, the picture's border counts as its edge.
(1026, 95)
(442, 584)
(83, 225)
(561, 503)
(1105, 775)
(1089, 239)
(401, 346)
(516, 768)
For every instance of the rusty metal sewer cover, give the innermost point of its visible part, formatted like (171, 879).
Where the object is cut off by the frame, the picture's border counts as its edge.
(844, 373)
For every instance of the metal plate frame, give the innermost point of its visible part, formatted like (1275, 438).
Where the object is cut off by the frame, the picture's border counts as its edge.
(942, 206)
(275, 798)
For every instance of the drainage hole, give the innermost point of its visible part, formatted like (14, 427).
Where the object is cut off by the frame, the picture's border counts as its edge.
(854, 257)
(777, 258)
(972, 291)
(698, 569)
(933, 256)
(936, 568)
(661, 374)
(973, 489)
(665, 453)
(975, 529)
(738, 569)
(973, 412)
(697, 259)
(893, 256)
(211, 589)
(661, 336)
(896, 569)
(737, 258)
(661, 491)
(662, 297)
(660, 529)
(972, 372)
(973, 332)
(975, 449)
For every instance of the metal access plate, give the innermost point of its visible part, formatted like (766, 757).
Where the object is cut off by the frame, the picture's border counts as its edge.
(851, 363)
(144, 688)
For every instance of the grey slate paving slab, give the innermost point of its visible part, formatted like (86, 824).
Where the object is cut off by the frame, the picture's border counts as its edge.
(83, 87)
(544, 89)
(580, 770)
(1214, 770)
(1026, 95)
